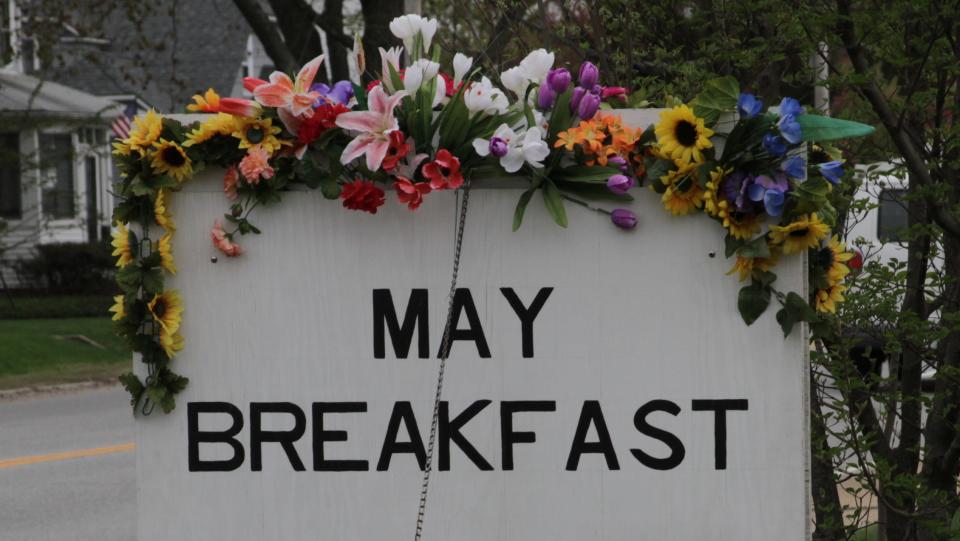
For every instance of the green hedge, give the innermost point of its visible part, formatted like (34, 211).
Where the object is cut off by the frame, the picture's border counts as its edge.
(53, 306)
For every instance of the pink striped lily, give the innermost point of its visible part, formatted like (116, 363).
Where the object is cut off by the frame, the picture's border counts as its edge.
(374, 126)
(293, 97)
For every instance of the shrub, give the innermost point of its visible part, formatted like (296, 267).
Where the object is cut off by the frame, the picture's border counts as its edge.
(69, 268)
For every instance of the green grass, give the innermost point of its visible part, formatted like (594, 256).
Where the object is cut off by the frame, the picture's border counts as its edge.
(38, 352)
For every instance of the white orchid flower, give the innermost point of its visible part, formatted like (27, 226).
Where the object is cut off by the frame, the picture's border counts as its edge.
(515, 80)
(406, 28)
(537, 65)
(514, 148)
(483, 97)
(461, 66)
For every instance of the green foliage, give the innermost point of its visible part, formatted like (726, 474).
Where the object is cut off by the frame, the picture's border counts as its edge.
(717, 97)
(69, 268)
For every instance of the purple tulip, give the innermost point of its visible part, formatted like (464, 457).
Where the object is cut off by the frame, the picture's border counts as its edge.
(547, 97)
(559, 80)
(589, 75)
(498, 147)
(589, 105)
(620, 184)
(619, 163)
(575, 98)
(623, 218)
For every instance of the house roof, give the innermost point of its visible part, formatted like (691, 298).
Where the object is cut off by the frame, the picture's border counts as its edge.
(21, 93)
(164, 57)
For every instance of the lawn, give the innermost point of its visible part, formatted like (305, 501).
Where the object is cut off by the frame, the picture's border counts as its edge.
(47, 351)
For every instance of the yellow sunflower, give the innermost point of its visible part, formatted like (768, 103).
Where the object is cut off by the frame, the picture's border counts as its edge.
(166, 254)
(170, 159)
(119, 312)
(146, 130)
(121, 148)
(746, 265)
(741, 225)
(166, 309)
(258, 132)
(826, 299)
(121, 245)
(838, 269)
(682, 136)
(171, 343)
(711, 194)
(680, 201)
(161, 214)
(219, 124)
(806, 232)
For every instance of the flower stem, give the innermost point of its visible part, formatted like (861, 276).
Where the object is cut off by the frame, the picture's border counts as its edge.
(584, 204)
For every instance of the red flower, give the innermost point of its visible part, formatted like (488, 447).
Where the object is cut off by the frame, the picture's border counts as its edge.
(324, 118)
(444, 171)
(399, 148)
(448, 81)
(362, 195)
(410, 193)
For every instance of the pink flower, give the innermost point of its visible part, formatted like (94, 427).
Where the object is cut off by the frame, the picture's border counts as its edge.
(293, 97)
(251, 83)
(374, 126)
(230, 179)
(222, 241)
(255, 165)
(239, 107)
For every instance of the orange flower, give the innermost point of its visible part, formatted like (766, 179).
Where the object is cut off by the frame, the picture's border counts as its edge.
(230, 179)
(209, 102)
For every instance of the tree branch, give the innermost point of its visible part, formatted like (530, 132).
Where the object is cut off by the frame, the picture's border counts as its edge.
(268, 34)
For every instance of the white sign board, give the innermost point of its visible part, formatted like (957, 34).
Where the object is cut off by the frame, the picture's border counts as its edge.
(634, 404)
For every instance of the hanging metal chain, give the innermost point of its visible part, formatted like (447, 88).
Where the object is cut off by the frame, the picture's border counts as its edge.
(444, 353)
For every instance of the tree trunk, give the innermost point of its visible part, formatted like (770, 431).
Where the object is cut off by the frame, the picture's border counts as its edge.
(826, 500)
(377, 15)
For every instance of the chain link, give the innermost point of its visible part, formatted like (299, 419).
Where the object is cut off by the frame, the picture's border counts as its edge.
(444, 353)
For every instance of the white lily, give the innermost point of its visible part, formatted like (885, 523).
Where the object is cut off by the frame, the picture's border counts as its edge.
(483, 97)
(389, 58)
(359, 60)
(532, 69)
(461, 66)
(406, 27)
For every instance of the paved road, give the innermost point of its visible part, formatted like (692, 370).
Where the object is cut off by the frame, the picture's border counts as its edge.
(87, 498)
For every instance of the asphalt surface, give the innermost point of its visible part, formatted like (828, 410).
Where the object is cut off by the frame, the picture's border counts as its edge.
(56, 497)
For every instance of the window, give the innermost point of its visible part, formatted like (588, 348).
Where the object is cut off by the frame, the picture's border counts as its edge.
(10, 190)
(892, 216)
(56, 164)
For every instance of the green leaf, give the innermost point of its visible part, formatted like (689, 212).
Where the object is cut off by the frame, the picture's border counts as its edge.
(521, 208)
(330, 188)
(795, 309)
(814, 188)
(823, 128)
(554, 202)
(731, 244)
(153, 281)
(718, 96)
(658, 169)
(134, 386)
(562, 117)
(585, 173)
(827, 214)
(755, 248)
(753, 301)
(128, 278)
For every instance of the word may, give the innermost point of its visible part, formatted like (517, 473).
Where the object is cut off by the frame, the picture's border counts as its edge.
(416, 318)
(449, 431)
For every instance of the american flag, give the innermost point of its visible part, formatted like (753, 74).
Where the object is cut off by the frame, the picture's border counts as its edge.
(121, 126)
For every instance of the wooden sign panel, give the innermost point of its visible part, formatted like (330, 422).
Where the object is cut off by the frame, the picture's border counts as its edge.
(601, 383)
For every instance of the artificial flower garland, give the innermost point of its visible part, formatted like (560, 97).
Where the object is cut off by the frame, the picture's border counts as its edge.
(418, 130)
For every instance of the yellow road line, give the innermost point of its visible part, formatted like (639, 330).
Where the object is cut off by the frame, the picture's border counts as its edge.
(66, 455)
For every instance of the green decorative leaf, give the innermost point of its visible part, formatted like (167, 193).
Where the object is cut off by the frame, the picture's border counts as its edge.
(134, 386)
(757, 247)
(128, 278)
(718, 96)
(731, 244)
(823, 128)
(562, 117)
(827, 214)
(658, 169)
(521, 208)
(585, 173)
(813, 188)
(554, 201)
(330, 188)
(153, 281)
(753, 301)
(795, 309)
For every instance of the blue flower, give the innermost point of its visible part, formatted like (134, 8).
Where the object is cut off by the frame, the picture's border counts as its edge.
(771, 191)
(774, 144)
(790, 106)
(748, 105)
(795, 166)
(790, 129)
(832, 171)
(773, 202)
